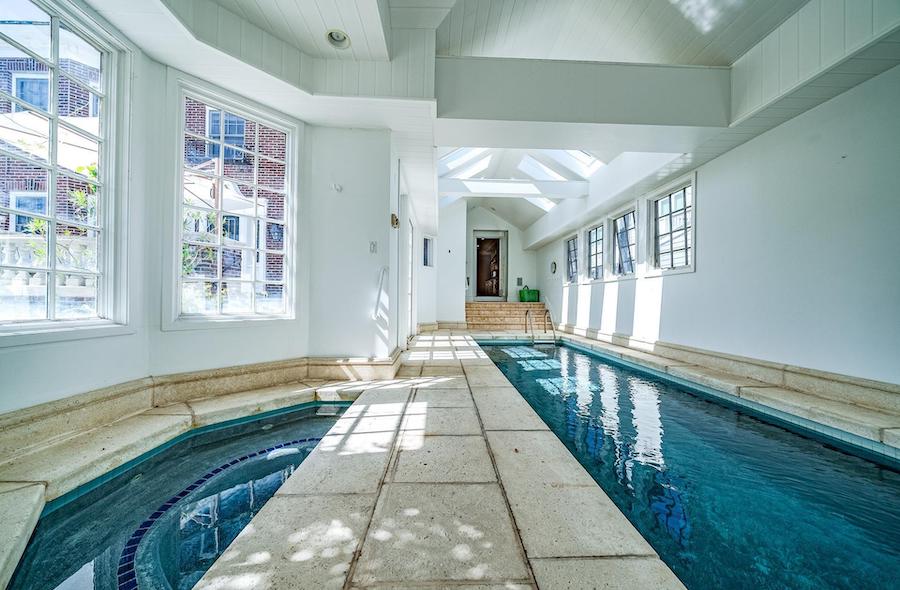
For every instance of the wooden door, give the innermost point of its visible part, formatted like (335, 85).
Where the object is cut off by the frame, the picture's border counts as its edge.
(488, 267)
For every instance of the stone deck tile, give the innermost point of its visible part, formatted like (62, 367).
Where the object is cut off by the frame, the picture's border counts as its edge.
(20, 508)
(78, 460)
(468, 480)
(238, 405)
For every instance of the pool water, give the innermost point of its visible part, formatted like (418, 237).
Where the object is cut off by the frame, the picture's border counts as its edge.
(727, 500)
(162, 523)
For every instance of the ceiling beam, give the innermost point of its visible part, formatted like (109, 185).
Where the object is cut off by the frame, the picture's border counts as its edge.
(582, 92)
(495, 187)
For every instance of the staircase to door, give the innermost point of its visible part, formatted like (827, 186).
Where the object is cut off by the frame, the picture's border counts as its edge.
(502, 315)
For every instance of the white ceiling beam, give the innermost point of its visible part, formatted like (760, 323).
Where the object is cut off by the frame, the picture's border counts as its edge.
(582, 92)
(495, 187)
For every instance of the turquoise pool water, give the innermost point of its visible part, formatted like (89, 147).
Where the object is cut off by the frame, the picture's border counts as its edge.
(728, 501)
(162, 523)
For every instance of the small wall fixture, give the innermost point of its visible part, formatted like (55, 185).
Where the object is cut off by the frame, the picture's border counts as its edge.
(338, 39)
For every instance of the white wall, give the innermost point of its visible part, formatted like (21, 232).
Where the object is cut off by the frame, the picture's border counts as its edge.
(520, 262)
(451, 263)
(336, 274)
(343, 273)
(796, 249)
(426, 295)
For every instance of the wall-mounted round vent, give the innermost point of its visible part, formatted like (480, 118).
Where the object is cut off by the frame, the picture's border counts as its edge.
(338, 39)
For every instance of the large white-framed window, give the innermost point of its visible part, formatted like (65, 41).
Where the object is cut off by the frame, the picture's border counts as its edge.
(625, 243)
(61, 91)
(595, 252)
(572, 259)
(234, 209)
(673, 229)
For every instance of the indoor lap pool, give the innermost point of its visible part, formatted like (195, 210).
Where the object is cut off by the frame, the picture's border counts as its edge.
(162, 522)
(726, 499)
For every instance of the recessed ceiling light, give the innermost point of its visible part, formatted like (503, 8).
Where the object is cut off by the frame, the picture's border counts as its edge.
(338, 39)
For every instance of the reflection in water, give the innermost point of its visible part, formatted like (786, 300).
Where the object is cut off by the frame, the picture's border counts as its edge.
(726, 500)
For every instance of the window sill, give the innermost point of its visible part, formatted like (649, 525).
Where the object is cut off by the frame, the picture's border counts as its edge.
(657, 272)
(24, 335)
(217, 322)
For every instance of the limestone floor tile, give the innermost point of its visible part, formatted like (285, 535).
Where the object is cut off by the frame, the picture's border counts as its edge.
(891, 437)
(448, 459)
(564, 521)
(504, 408)
(715, 379)
(410, 370)
(440, 532)
(432, 371)
(443, 382)
(238, 405)
(559, 509)
(343, 464)
(453, 586)
(864, 422)
(294, 542)
(93, 453)
(626, 573)
(170, 410)
(482, 377)
(20, 508)
(429, 421)
(526, 457)
(443, 398)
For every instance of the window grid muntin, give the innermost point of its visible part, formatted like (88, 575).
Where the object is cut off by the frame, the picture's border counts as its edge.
(55, 170)
(685, 214)
(624, 241)
(595, 252)
(572, 259)
(260, 220)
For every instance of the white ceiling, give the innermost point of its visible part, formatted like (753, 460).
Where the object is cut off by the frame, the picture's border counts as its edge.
(304, 24)
(690, 32)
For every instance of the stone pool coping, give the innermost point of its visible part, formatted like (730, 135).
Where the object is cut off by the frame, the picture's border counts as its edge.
(453, 482)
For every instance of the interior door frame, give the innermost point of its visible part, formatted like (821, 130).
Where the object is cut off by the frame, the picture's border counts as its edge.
(504, 267)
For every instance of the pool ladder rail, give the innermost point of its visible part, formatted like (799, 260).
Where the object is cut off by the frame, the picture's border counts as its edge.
(529, 326)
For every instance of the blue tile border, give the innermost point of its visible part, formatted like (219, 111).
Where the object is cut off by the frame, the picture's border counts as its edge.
(127, 578)
(847, 442)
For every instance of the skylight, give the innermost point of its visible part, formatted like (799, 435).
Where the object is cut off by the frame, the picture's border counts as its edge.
(476, 168)
(458, 157)
(542, 202)
(578, 161)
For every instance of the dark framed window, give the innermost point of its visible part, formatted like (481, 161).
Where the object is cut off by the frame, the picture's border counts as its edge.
(572, 259)
(232, 135)
(624, 243)
(595, 252)
(673, 229)
(231, 227)
(428, 252)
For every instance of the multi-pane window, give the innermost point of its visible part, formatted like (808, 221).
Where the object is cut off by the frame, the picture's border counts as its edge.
(595, 252)
(53, 201)
(572, 259)
(674, 229)
(624, 243)
(233, 210)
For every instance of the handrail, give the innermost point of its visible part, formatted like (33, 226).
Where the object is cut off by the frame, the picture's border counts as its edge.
(529, 321)
(381, 276)
(549, 314)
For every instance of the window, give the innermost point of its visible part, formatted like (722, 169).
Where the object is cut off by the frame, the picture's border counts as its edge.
(625, 241)
(55, 207)
(428, 251)
(233, 204)
(232, 134)
(673, 229)
(33, 88)
(572, 259)
(595, 252)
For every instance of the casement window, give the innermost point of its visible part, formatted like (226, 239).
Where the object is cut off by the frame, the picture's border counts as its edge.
(233, 205)
(624, 243)
(428, 252)
(673, 229)
(572, 259)
(57, 204)
(595, 252)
